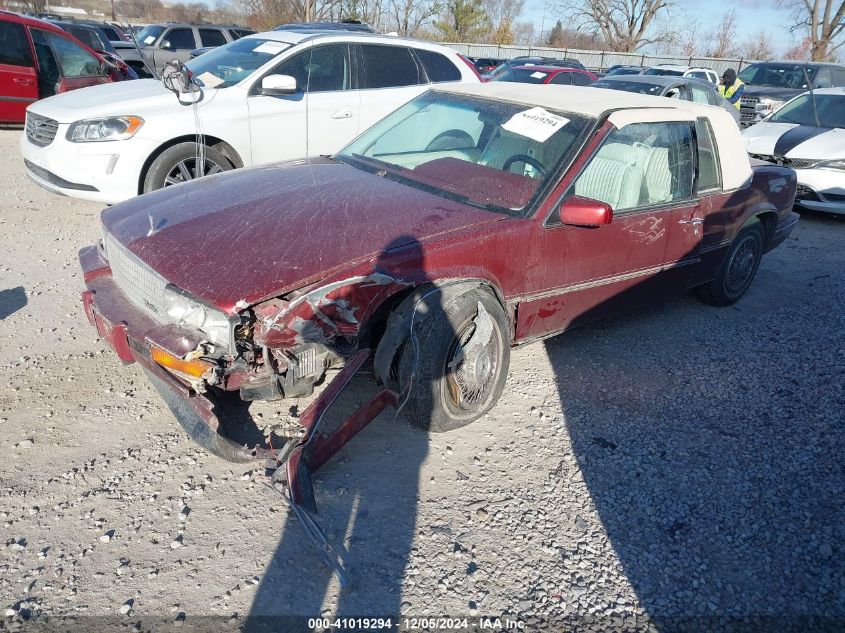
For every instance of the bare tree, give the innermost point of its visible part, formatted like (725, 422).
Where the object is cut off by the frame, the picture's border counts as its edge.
(410, 16)
(501, 15)
(723, 42)
(758, 48)
(267, 14)
(801, 51)
(688, 40)
(624, 25)
(824, 23)
(523, 33)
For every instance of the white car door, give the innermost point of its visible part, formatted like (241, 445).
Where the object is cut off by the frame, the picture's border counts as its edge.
(319, 118)
(389, 76)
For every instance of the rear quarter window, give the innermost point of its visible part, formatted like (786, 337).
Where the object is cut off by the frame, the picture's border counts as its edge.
(14, 45)
(212, 37)
(438, 67)
(389, 66)
(580, 79)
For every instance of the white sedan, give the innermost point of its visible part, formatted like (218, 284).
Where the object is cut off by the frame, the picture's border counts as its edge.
(265, 98)
(808, 135)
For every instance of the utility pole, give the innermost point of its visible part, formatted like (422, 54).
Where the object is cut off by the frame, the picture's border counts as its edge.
(112, 10)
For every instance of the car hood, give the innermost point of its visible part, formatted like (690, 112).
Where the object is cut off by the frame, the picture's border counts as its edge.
(795, 141)
(771, 92)
(248, 235)
(141, 97)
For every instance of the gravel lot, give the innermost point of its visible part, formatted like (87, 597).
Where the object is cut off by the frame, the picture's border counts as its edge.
(679, 462)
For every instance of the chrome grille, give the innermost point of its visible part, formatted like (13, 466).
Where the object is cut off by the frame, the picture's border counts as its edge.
(306, 363)
(40, 130)
(805, 193)
(800, 163)
(748, 108)
(142, 286)
(795, 163)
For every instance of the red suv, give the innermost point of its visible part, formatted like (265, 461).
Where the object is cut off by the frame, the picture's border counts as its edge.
(38, 60)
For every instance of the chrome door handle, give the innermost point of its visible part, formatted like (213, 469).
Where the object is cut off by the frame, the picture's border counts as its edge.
(694, 221)
(342, 114)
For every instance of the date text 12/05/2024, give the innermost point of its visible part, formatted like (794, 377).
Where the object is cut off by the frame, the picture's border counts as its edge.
(413, 624)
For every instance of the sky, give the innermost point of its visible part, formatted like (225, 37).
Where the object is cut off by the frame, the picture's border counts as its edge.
(752, 16)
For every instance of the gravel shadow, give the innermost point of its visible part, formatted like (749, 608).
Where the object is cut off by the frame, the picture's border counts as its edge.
(711, 441)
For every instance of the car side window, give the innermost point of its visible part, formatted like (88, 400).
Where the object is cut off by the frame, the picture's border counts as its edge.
(319, 69)
(89, 38)
(640, 165)
(823, 78)
(838, 76)
(438, 67)
(14, 45)
(211, 37)
(73, 60)
(580, 79)
(700, 94)
(180, 39)
(709, 172)
(110, 33)
(389, 66)
(562, 79)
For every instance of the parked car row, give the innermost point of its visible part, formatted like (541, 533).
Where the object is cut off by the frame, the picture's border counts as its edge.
(39, 59)
(266, 97)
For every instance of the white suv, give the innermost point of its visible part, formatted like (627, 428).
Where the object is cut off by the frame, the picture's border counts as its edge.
(266, 97)
(677, 70)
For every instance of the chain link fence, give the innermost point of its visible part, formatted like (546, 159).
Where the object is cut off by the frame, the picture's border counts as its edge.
(595, 60)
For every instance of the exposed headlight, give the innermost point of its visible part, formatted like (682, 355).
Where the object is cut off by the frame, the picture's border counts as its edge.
(768, 106)
(832, 164)
(184, 310)
(116, 128)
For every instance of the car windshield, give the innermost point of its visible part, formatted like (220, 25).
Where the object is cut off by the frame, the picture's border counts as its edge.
(149, 35)
(490, 154)
(777, 75)
(235, 61)
(523, 76)
(624, 71)
(830, 109)
(665, 72)
(640, 87)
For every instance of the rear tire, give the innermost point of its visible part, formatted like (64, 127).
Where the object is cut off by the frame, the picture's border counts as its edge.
(738, 268)
(177, 164)
(455, 377)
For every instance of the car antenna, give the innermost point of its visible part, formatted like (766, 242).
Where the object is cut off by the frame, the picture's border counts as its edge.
(135, 42)
(812, 96)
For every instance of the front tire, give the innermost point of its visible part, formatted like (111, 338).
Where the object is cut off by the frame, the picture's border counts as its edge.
(178, 164)
(738, 268)
(456, 372)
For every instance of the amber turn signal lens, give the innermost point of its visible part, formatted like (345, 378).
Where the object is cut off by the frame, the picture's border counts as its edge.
(194, 368)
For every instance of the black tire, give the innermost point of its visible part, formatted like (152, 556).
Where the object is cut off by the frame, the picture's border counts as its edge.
(443, 395)
(165, 169)
(738, 268)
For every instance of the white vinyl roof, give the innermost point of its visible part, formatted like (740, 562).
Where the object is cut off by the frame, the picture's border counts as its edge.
(623, 108)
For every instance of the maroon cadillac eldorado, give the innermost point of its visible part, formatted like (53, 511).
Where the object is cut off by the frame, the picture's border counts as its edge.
(471, 220)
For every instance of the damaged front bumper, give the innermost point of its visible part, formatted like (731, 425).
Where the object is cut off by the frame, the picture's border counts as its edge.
(136, 337)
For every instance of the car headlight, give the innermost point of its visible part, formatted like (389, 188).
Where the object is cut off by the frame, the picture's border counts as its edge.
(185, 310)
(832, 164)
(116, 128)
(768, 106)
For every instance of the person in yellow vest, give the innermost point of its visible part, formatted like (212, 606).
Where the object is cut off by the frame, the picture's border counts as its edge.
(731, 87)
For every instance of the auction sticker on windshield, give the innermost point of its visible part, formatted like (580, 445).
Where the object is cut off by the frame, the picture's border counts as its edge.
(537, 124)
(270, 48)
